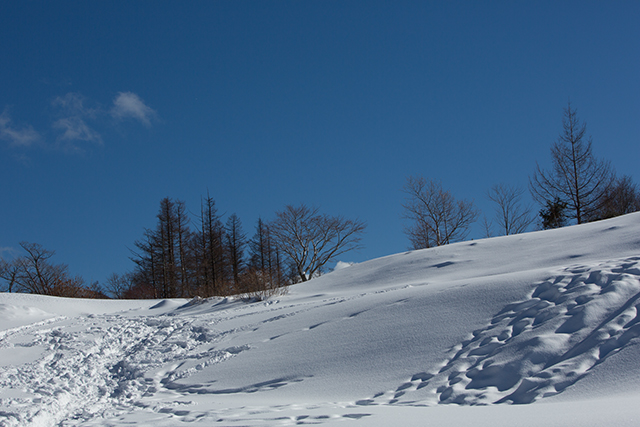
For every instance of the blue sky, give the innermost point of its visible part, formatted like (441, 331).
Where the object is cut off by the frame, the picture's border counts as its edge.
(107, 107)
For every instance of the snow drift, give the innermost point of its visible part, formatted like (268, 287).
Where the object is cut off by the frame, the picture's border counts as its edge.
(460, 334)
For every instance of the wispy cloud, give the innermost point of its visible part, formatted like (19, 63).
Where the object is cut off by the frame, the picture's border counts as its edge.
(73, 103)
(75, 128)
(24, 137)
(77, 122)
(129, 105)
(73, 121)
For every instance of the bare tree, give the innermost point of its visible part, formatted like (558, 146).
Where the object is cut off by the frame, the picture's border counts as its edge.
(438, 218)
(9, 273)
(577, 177)
(236, 242)
(210, 250)
(621, 198)
(117, 285)
(511, 216)
(487, 226)
(146, 275)
(162, 258)
(34, 273)
(310, 239)
(265, 274)
(183, 238)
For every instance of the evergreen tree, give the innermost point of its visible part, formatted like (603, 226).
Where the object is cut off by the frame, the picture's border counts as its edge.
(554, 214)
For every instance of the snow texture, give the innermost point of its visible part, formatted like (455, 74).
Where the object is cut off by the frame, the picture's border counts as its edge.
(534, 329)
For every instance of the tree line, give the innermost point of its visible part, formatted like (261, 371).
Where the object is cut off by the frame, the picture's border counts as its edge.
(187, 255)
(578, 188)
(176, 260)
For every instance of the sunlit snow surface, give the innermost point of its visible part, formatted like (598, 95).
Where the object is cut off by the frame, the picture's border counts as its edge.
(528, 330)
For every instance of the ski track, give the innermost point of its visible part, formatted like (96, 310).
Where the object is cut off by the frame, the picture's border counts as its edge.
(100, 366)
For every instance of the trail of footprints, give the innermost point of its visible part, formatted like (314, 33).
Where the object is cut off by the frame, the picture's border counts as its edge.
(96, 362)
(537, 347)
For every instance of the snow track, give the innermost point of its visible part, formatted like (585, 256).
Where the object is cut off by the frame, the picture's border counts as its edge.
(95, 363)
(100, 365)
(539, 346)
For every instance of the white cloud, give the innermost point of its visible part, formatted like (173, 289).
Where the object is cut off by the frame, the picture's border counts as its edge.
(129, 105)
(73, 104)
(75, 128)
(73, 122)
(24, 137)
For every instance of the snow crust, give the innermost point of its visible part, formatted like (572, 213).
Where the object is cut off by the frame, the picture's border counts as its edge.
(534, 329)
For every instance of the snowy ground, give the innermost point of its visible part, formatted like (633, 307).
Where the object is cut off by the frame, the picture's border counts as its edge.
(527, 330)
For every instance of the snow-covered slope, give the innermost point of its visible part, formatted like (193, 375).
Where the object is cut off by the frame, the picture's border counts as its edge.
(549, 318)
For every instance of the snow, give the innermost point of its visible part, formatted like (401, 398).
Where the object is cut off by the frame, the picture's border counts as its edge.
(527, 330)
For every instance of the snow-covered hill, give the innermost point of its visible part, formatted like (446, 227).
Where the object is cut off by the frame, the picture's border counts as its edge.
(455, 335)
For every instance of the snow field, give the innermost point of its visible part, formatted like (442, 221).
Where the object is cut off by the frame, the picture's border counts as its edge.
(448, 336)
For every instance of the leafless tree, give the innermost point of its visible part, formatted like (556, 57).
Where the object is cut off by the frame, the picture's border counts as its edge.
(437, 217)
(265, 274)
(621, 198)
(117, 285)
(311, 239)
(487, 226)
(236, 242)
(511, 215)
(9, 273)
(162, 258)
(34, 273)
(210, 250)
(577, 177)
(183, 238)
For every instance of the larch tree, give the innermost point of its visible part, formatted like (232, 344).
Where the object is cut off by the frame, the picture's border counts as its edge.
(265, 272)
(577, 177)
(236, 242)
(162, 257)
(211, 253)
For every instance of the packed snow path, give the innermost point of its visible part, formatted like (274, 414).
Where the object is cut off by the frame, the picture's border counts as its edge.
(494, 322)
(91, 368)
